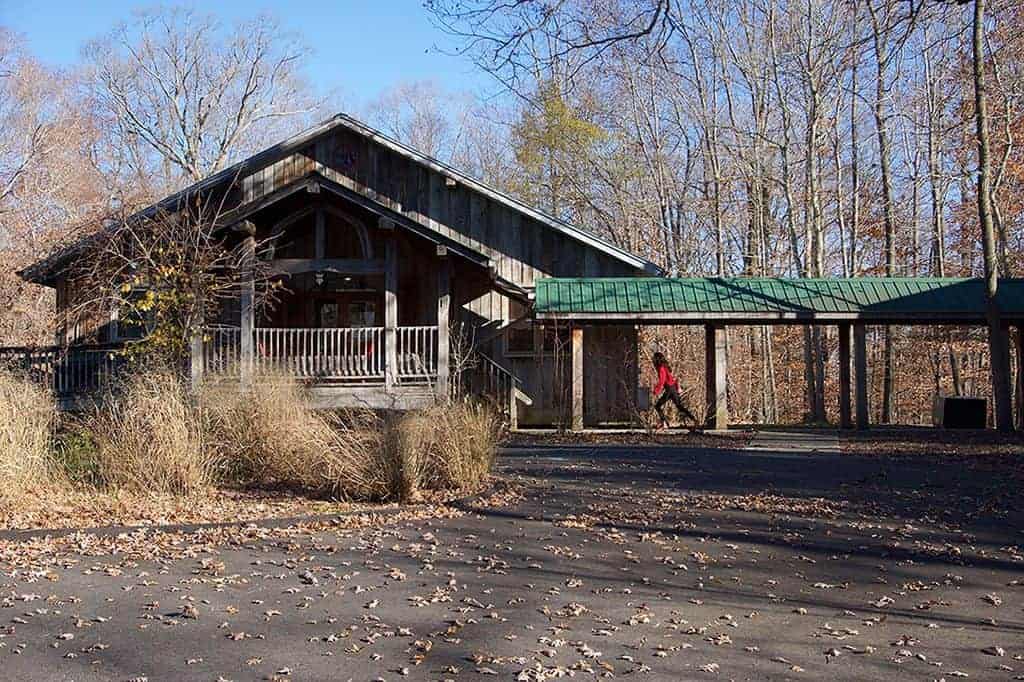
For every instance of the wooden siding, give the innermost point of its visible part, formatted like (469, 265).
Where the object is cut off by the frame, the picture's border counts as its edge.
(522, 248)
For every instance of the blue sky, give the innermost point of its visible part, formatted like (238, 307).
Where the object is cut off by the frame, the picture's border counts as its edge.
(359, 47)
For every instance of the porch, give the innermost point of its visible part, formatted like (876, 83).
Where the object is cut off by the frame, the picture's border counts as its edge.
(374, 367)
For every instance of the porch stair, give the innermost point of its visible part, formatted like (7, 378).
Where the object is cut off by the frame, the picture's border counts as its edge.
(486, 379)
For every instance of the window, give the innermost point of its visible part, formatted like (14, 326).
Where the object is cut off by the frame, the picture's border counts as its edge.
(362, 314)
(519, 338)
(526, 337)
(295, 238)
(132, 321)
(343, 238)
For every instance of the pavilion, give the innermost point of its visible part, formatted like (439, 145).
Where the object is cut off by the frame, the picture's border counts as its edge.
(720, 302)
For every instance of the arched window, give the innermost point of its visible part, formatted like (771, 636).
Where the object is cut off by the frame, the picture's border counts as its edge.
(294, 236)
(344, 237)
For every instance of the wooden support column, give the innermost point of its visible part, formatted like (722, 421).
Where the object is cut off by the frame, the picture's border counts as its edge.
(320, 243)
(577, 378)
(860, 367)
(716, 370)
(196, 348)
(444, 300)
(845, 416)
(1020, 377)
(1002, 398)
(390, 310)
(513, 407)
(247, 300)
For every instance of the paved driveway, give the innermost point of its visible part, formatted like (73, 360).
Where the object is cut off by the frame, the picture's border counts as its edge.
(661, 563)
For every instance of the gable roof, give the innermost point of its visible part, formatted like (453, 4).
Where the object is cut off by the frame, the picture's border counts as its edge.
(44, 270)
(759, 300)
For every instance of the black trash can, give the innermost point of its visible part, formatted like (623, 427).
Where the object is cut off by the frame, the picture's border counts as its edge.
(958, 412)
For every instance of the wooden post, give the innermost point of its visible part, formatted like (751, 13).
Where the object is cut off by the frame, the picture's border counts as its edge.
(513, 407)
(999, 347)
(577, 378)
(709, 374)
(1020, 377)
(247, 317)
(390, 311)
(196, 353)
(845, 417)
(860, 366)
(196, 344)
(320, 243)
(444, 299)
(716, 375)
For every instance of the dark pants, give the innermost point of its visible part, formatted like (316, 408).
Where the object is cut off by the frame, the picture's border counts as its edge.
(672, 393)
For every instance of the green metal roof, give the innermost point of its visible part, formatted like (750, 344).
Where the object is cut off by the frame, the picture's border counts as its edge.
(760, 299)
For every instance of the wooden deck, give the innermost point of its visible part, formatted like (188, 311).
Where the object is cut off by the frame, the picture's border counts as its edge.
(373, 396)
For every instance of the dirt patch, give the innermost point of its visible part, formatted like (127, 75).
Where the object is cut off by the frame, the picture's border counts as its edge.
(62, 509)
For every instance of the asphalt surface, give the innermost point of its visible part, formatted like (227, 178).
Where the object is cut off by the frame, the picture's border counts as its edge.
(658, 563)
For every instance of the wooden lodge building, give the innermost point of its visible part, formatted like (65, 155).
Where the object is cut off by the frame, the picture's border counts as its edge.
(404, 279)
(384, 253)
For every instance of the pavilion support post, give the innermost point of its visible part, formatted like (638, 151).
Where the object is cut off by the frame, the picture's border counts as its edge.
(999, 348)
(860, 366)
(247, 300)
(845, 416)
(444, 299)
(716, 376)
(1020, 377)
(577, 378)
(390, 311)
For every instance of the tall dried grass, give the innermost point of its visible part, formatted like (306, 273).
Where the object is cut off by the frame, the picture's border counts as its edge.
(27, 414)
(272, 435)
(148, 438)
(445, 447)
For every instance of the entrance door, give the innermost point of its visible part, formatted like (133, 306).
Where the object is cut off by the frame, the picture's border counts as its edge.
(346, 310)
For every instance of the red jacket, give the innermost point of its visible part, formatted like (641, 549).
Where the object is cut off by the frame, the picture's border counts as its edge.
(665, 378)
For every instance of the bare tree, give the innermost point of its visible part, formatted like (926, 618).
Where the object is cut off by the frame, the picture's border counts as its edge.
(47, 182)
(190, 96)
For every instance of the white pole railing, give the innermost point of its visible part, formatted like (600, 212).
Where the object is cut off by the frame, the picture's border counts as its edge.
(417, 352)
(330, 354)
(314, 353)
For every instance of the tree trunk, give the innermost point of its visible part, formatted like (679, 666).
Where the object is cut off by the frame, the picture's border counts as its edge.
(997, 345)
(882, 133)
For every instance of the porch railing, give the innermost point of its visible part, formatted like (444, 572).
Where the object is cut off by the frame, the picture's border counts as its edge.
(71, 371)
(331, 354)
(222, 350)
(417, 352)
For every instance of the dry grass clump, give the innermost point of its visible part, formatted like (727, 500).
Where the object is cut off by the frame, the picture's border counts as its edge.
(27, 414)
(445, 447)
(272, 435)
(148, 439)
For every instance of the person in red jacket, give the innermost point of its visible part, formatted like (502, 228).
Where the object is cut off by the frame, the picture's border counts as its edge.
(668, 388)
